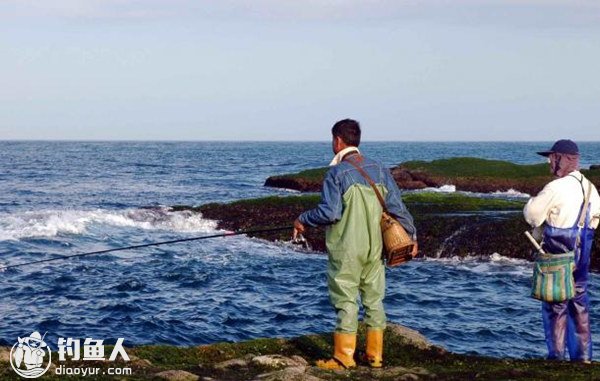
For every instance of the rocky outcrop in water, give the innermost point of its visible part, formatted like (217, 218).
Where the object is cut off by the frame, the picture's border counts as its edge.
(305, 181)
(445, 229)
(466, 174)
(411, 179)
(448, 225)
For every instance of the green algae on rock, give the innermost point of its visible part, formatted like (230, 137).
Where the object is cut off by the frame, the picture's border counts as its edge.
(444, 222)
(481, 175)
(305, 181)
(448, 224)
(475, 167)
(466, 173)
(439, 202)
(281, 211)
(407, 355)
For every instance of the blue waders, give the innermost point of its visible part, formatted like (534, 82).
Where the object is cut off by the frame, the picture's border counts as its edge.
(567, 323)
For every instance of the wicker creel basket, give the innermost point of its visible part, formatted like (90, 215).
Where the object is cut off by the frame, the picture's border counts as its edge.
(397, 245)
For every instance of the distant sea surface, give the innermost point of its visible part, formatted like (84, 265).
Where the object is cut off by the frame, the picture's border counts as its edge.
(62, 198)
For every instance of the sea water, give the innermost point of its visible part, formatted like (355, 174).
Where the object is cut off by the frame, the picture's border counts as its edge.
(63, 198)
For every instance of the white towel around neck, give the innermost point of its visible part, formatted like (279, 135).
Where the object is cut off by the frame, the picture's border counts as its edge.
(340, 155)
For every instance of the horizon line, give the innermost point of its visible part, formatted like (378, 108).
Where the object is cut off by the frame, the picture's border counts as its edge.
(269, 141)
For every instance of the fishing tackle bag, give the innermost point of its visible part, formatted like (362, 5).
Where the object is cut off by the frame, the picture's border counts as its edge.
(553, 280)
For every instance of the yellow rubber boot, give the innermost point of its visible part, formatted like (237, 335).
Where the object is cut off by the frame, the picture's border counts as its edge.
(344, 345)
(375, 347)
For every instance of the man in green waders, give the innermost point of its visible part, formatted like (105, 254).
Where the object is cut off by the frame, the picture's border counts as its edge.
(352, 212)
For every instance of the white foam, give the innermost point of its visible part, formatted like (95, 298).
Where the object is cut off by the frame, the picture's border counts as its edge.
(503, 260)
(447, 188)
(487, 264)
(289, 190)
(492, 258)
(512, 193)
(50, 223)
(448, 239)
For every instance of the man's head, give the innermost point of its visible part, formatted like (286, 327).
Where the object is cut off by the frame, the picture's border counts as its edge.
(346, 133)
(563, 157)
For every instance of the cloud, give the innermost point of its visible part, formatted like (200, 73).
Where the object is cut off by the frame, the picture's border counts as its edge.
(508, 12)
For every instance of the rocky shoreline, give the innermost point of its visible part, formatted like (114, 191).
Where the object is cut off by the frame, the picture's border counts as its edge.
(407, 356)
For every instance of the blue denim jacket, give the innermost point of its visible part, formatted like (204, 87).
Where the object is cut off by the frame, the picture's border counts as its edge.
(337, 181)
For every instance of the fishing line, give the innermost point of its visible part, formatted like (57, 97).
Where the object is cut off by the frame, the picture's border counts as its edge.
(228, 234)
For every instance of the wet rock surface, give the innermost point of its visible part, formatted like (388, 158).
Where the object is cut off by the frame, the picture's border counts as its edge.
(4, 354)
(278, 361)
(411, 337)
(177, 375)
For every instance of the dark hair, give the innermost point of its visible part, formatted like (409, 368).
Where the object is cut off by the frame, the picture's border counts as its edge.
(348, 130)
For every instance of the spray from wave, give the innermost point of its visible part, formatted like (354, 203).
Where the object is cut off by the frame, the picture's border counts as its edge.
(511, 193)
(487, 264)
(51, 223)
(449, 188)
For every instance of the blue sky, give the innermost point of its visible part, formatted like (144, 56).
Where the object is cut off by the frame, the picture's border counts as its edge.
(287, 70)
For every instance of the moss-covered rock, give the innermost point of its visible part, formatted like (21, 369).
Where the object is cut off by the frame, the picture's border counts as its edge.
(264, 213)
(475, 167)
(407, 356)
(466, 173)
(480, 175)
(305, 181)
(436, 202)
(448, 224)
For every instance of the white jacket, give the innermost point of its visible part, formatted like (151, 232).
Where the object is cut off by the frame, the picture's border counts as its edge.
(559, 202)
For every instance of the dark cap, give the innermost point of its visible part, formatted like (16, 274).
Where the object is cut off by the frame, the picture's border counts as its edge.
(562, 146)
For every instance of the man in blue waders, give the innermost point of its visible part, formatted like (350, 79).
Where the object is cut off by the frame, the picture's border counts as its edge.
(559, 205)
(352, 212)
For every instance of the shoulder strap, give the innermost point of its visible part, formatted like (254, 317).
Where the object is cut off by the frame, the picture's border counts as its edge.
(580, 183)
(583, 212)
(370, 181)
(586, 205)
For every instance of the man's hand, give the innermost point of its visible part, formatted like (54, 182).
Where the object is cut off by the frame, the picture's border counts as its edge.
(415, 250)
(298, 229)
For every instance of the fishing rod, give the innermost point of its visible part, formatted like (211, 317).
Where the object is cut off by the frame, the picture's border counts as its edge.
(228, 234)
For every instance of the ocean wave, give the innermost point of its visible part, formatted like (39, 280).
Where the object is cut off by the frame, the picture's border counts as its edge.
(503, 260)
(487, 264)
(289, 190)
(51, 223)
(492, 258)
(449, 188)
(512, 193)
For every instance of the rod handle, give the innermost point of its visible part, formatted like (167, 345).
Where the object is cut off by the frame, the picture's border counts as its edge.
(534, 243)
